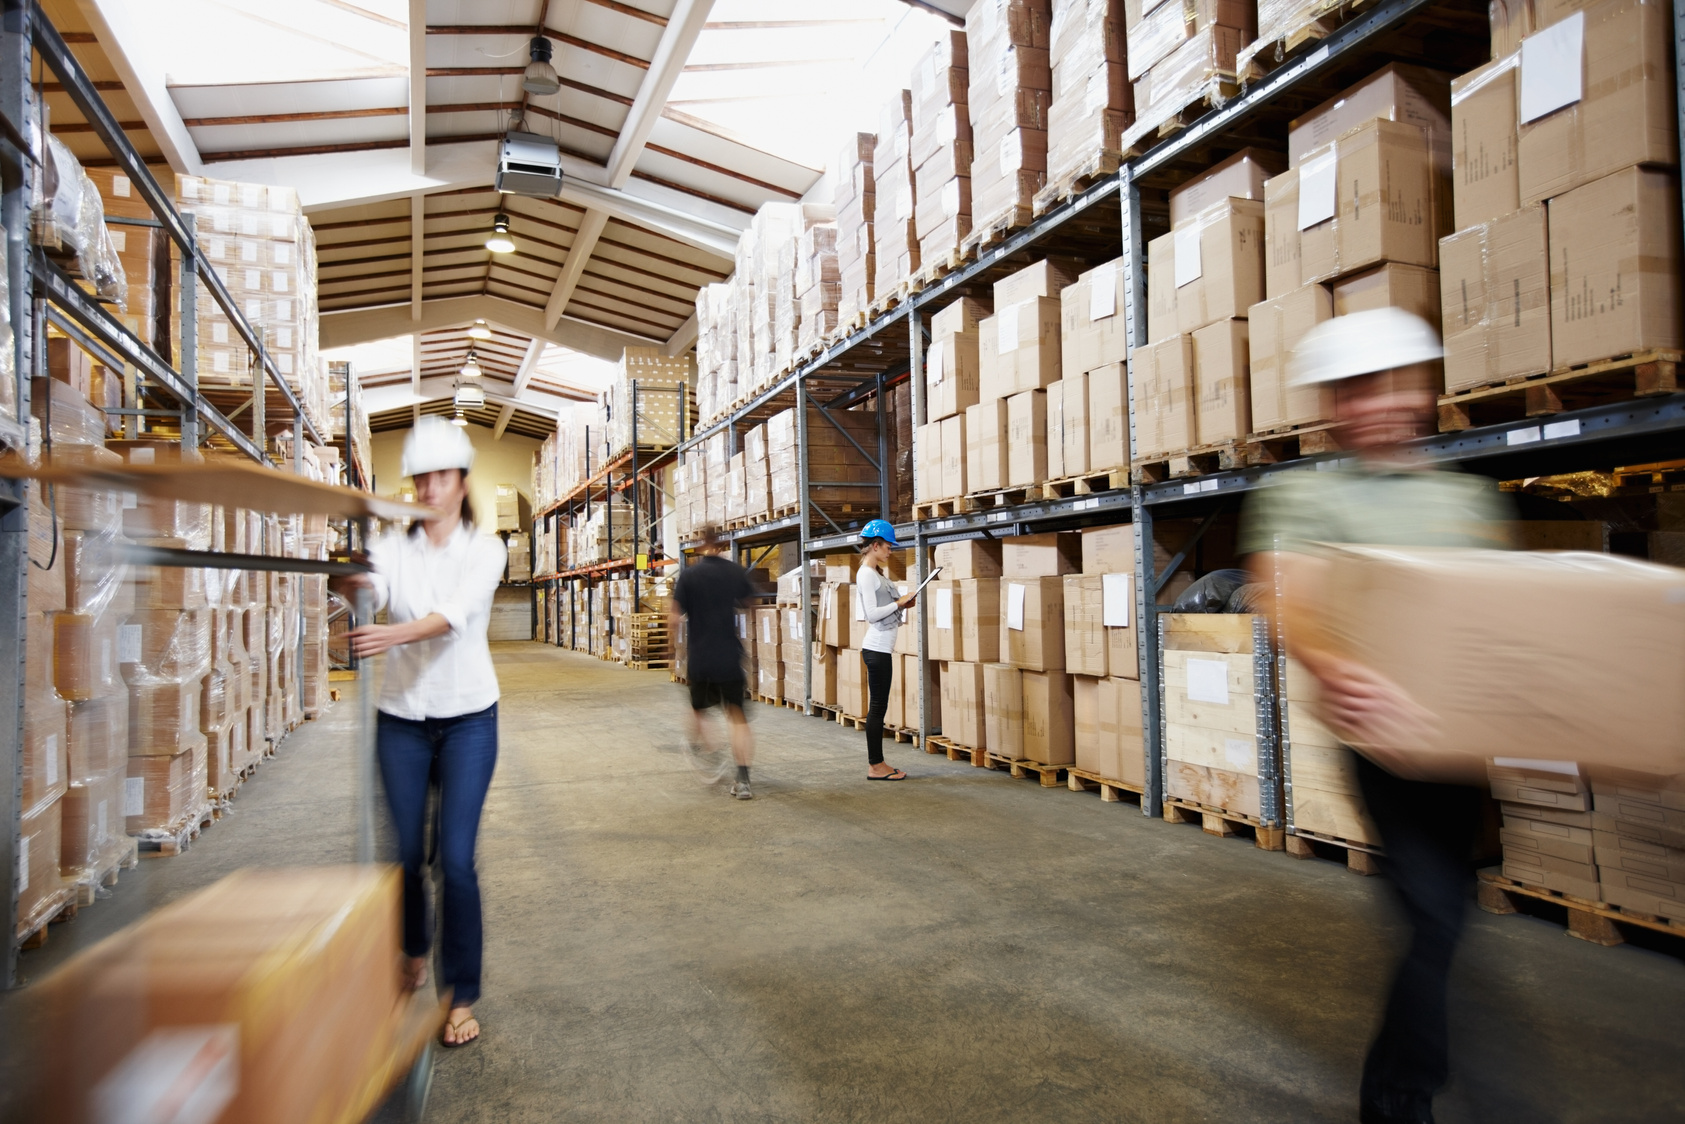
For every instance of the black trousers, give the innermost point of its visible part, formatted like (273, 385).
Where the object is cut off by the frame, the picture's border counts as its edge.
(880, 675)
(1427, 830)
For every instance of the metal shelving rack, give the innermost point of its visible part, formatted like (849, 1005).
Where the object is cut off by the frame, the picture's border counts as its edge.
(1445, 34)
(43, 293)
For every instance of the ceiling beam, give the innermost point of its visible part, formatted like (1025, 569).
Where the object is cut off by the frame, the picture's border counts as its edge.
(584, 244)
(503, 417)
(418, 256)
(679, 342)
(143, 79)
(364, 325)
(529, 364)
(418, 87)
(285, 118)
(628, 10)
(527, 31)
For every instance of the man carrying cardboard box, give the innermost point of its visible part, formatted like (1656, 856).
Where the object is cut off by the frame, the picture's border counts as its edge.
(708, 595)
(1383, 366)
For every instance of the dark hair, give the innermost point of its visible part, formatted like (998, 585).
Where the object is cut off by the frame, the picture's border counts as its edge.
(868, 544)
(466, 512)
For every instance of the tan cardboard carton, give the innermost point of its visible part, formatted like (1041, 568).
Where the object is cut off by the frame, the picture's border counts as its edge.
(1055, 431)
(1046, 278)
(836, 614)
(1222, 389)
(962, 704)
(1626, 112)
(1018, 348)
(985, 450)
(1074, 427)
(1161, 288)
(979, 627)
(1092, 754)
(1486, 182)
(1045, 555)
(1085, 634)
(1120, 723)
(1241, 176)
(969, 558)
(953, 476)
(1509, 21)
(1620, 852)
(1282, 270)
(1092, 321)
(1032, 623)
(1218, 263)
(1163, 390)
(1494, 286)
(942, 635)
(1108, 550)
(1409, 287)
(927, 462)
(1108, 418)
(1049, 736)
(1275, 328)
(964, 315)
(1615, 267)
(1003, 710)
(1026, 427)
(1641, 892)
(951, 374)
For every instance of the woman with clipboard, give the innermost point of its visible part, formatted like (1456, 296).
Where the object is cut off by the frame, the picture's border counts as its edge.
(881, 605)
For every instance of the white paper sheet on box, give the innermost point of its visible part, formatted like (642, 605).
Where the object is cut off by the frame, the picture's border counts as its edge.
(1208, 681)
(945, 608)
(1015, 607)
(1114, 600)
(1188, 265)
(1553, 68)
(1318, 187)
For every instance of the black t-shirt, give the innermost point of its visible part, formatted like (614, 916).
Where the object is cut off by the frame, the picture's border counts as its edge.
(708, 593)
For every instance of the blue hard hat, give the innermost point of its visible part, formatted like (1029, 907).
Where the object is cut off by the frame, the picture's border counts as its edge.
(879, 529)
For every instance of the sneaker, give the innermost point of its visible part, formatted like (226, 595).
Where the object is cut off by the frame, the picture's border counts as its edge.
(740, 789)
(710, 766)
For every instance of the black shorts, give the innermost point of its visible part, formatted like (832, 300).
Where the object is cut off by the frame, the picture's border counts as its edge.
(730, 693)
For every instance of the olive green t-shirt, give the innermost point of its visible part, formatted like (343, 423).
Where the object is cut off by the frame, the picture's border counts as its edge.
(1374, 506)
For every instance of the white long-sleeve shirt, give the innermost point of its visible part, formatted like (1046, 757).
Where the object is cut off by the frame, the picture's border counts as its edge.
(451, 674)
(877, 601)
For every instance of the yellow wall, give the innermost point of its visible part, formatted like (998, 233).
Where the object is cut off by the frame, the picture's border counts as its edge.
(507, 460)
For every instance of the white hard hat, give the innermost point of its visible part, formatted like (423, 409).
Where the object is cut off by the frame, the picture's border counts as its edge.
(435, 445)
(1360, 343)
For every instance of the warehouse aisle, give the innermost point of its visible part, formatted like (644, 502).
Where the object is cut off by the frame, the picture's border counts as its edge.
(958, 947)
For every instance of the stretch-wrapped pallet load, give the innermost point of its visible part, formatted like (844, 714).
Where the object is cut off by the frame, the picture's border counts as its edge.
(818, 286)
(1183, 57)
(896, 228)
(662, 401)
(856, 206)
(1018, 358)
(144, 252)
(1011, 96)
(1093, 102)
(716, 350)
(942, 149)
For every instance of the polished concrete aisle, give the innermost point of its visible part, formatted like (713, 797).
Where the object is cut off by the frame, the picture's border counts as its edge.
(957, 947)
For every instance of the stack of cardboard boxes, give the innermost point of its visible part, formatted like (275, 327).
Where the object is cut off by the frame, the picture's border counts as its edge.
(896, 231)
(951, 374)
(1087, 414)
(1547, 833)
(1102, 656)
(716, 350)
(1638, 840)
(942, 149)
(1182, 55)
(1011, 96)
(1019, 356)
(664, 406)
(964, 633)
(1567, 243)
(856, 208)
(1027, 696)
(818, 286)
(1092, 100)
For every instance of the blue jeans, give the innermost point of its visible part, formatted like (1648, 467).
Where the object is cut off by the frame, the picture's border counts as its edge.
(459, 755)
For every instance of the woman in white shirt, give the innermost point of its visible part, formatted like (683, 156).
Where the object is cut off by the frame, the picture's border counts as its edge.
(438, 705)
(881, 604)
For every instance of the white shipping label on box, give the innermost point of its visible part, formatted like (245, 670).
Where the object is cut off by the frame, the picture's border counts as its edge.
(142, 456)
(933, 368)
(120, 186)
(1006, 329)
(1208, 681)
(1011, 154)
(128, 644)
(1115, 598)
(119, 239)
(947, 129)
(100, 818)
(1188, 266)
(1553, 68)
(1318, 184)
(766, 632)
(1238, 752)
(134, 796)
(1102, 294)
(51, 745)
(23, 863)
(1015, 607)
(945, 608)
(859, 608)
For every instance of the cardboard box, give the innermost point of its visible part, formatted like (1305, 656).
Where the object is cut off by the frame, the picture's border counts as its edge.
(927, 462)
(1049, 731)
(986, 445)
(1508, 650)
(952, 369)
(1085, 633)
(968, 558)
(1046, 278)
(1161, 288)
(1108, 550)
(1487, 181)
(1542, 787)
(1108, 418)
(1222, 389)
(1073, 429)
(824, 684)
(1092, 754)
(1509, 21)
(1163, 390)
(1241, 176)
(1120, 724)
(1615, 267)
(1379, 201)
(1092, 322)
(1026, 449)
(979, 621)
(836, 614)
(1019, 348)
(1218, 263)
(910, 673)
(1003, 710)
(1045, 555)
(1032, 623)
(962, 704)
(1620, 852)
(1274, 329)
(1669, 792)
(852, 694)
(964, 315)
(1626, 114)
(1283, 272)
(954, 481)
(1410, 287)
(942, 634)
(1495, 300)
(1630, 890)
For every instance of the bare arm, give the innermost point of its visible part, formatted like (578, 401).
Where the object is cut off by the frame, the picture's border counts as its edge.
(373, 639)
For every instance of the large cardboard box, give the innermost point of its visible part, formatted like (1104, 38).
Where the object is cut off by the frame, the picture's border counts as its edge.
(1162, 387)
(985, 450)
(1161, 288)
(1241, 176)
(1085, 633)
(1026, 428)
(1494, 285)
(1368, 198)
(910, 673)
(1108, 418)
(942, 636)
(1615, 267)
(1092, 754)
(1108, 550)
(1218, 258)
(852, 693)
(1521, 654)
(951, 370)
(1018, 348)
(836, 614)
(1049, 734)
(824, 685)
(1487, 183)
(1092, 320)
(1274, 329)
(962, 704)
(1120, 724)
(1074, 426)
(1222, 389)
(954, 481)
(968, 558)
(1410, 287)
(1003, 710)
(1626, 113)
(1032, 623)
(1044, 555)
(1046, 278)
(1283, 271)
(979, 622)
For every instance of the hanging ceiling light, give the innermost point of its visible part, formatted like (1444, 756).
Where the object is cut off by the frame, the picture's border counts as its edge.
(540, 79)
(469, 396)
(499, 241)
(471, 369)
(479, 331)
(460, 420)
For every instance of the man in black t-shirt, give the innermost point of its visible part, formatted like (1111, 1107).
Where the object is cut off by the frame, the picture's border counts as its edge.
(708, 595)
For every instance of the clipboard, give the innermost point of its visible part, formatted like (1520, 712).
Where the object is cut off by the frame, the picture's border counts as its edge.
(933, 575)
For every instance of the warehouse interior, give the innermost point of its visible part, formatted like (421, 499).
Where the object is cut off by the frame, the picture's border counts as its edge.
(1009, 309)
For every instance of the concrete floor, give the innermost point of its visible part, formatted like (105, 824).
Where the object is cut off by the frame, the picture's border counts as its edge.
(956, 947)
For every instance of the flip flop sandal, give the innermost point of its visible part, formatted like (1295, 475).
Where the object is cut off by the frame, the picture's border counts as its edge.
(457, 1025)
(896, 775)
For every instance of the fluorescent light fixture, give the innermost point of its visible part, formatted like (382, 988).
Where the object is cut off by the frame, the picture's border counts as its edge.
(479, 331)
(540, 79)
(499, 242)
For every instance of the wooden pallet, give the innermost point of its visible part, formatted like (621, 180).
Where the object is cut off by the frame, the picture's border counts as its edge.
(935, 268)
(164, 842)
(1221, 821)
(1098, 166)
(769, 700)
(1262, 56)
(103, 875)
(1005, 497)
(1086, 484)
(662, 664)
(888, 302)
(1589, 921)
(1111, 792)
(1639, 374)
(1213, 93)
(954, 750)
(829, 713)
(996, 230)
(1203, 460)
(1361, 858)
(1021, 767)
(903, 735)
(1290, 443)
(60, 905)
(938, 509)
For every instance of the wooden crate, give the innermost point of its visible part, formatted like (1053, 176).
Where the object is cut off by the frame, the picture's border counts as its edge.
(1319, 774)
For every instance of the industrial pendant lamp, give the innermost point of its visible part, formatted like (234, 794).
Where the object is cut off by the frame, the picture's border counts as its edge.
(540, 79)
(459, 419)
(479, 331)
(471, 369)
(499, 242)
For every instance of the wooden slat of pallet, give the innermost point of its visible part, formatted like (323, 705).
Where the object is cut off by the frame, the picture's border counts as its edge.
(1589, 921)
(939, 509)
(1021, 767)
(125, 856)
(1097, 166)
(1111, 791)
(1360, 859)
(954, 750)
(1222, 821)
(1639, 374)
(58, 905)
(1086, 484)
